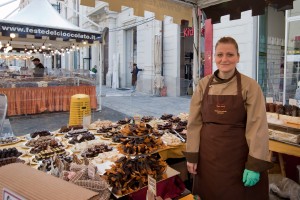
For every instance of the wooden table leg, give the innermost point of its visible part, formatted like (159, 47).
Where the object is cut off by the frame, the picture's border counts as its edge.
(270, 155)
(281, 163)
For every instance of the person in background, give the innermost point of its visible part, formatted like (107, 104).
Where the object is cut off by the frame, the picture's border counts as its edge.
(227, 142)
(39, 68)
(94, 69)
(135, 71)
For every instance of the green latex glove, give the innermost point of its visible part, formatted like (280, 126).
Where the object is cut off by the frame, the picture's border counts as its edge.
(250, 178)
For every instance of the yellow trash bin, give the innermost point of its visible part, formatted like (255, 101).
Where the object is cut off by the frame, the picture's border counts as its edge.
(80, 110)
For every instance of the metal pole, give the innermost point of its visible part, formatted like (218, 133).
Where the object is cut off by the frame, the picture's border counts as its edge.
(195, 48)
(3, 4)
(99, 72)
(11, 13)
(200, 42)
(285, 56)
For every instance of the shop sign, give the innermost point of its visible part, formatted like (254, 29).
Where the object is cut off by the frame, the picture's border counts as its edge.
(187, 32)
(22, 29)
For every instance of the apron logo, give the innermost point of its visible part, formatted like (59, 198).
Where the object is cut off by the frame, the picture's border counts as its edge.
(220, 109)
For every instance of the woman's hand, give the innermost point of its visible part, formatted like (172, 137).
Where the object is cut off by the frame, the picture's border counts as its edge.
(192, 167)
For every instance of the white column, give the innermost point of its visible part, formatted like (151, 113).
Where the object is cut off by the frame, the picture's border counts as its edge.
(111, 48)
(55, 61)
(71, 61)
(63, 58)
(95, 55)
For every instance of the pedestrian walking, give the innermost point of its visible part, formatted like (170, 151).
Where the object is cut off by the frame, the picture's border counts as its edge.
(135, 71)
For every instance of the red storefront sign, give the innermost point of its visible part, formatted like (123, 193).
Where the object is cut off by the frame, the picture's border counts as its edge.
(187, 32)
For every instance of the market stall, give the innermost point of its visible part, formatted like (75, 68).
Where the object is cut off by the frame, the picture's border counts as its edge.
(137, 146)
(46, 35)
(122, 153)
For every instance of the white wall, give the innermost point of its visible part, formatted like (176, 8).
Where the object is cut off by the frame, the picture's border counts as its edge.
(146, 32)
(145, 52)
(244, 31)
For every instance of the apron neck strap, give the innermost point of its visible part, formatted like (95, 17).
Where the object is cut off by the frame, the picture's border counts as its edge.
(239, 84)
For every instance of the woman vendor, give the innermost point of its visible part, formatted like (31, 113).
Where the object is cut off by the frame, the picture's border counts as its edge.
(227, 141)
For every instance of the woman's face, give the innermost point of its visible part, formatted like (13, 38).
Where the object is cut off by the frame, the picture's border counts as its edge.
(226, 57)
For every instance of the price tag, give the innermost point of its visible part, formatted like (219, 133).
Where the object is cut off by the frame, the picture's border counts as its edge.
(293, 102)
(269, 99)
(137, 119)
(152, 185)
(86, 121)
(10, 195)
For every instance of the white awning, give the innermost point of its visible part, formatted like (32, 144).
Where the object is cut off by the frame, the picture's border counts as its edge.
(42, 13)
(39, 21)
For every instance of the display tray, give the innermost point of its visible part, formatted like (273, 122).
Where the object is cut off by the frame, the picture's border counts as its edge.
(170, 172)
(288, 127)
(11, 143)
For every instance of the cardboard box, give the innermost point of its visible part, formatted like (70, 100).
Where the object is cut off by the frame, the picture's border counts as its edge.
(32, 184)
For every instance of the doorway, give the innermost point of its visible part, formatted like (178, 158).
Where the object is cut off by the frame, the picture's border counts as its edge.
(186, 57)
(130, 53)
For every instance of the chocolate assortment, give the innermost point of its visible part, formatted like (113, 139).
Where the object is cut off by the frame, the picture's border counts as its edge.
(10, 155)
(45, 145)
(81, 138)
(6, 161)
(10, 152)
(48, 153)
(65, 129)
(76, 132)
(39, 133)
(95, 150)
(289, 110)
(38, 141)
(166, 116)
(136, 130)
(125, 121)
(141, 145)
(147, 118)
(138, 137)
(48, 163)
(128, 175)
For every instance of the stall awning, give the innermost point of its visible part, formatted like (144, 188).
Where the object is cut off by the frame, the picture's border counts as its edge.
(214, 9)
(40, 20)
(179, 11)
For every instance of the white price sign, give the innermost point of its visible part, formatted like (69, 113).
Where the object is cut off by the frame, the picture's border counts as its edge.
(10, 195)
(152, 185)
(293, 102)
(269, 99)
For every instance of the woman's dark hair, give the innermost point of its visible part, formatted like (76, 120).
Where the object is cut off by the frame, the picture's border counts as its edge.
(228, 40)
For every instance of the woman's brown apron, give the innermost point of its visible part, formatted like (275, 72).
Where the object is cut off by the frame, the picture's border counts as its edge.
(223, 150)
